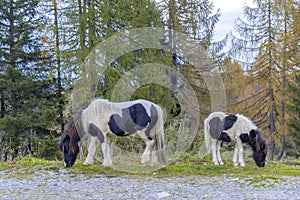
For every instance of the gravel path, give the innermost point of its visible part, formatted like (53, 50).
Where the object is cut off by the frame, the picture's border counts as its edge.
(63, 185)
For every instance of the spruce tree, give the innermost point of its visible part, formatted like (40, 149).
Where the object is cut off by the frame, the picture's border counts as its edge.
(26, 107)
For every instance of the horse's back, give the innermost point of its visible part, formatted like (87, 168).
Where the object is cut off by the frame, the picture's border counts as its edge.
(218, 114)
(108, 115)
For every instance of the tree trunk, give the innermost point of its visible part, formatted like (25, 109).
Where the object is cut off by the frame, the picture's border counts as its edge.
(82, 27)
(284, 85)
(272, 125)
(271, 94)
(91, 24)
(59, 85)
(282, 147)
(2, 105)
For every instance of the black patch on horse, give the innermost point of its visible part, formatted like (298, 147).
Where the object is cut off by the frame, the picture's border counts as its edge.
(133, 118)
(139, 116)
(95, 131)
(224, 137)
(115, 125)
(229, 121)
(215, 125)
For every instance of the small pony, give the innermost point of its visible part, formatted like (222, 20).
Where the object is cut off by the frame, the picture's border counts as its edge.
(220, 126)
(121, 119)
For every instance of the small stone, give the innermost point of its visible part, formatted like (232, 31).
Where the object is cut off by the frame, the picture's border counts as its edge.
(163, 195)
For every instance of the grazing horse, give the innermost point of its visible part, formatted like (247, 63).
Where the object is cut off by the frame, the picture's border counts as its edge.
(121, 119)
(220, 126)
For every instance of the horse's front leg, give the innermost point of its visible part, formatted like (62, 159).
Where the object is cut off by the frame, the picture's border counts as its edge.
(235, 156)
(91, 151)
(240, 153)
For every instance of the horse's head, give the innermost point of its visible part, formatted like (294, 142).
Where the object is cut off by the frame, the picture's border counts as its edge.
(69, 144)
(259, 147)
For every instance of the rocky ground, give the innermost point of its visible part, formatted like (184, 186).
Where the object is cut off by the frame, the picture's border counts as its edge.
(64, 185)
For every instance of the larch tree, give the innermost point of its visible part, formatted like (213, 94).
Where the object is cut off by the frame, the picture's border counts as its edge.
(196, 20)
(294, 85)
(260, 43)
(289, 10)
(294, 107)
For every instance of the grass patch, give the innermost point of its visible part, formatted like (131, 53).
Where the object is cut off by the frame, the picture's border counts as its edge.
(192, 168)
(26, 167)
(4, 166)
(263, 181)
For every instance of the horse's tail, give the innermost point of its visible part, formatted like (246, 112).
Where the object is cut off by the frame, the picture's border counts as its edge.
(207, 136)
(159, 138)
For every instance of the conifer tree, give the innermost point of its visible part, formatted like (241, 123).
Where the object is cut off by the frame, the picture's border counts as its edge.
(294, 107)
(196, 20)
(260, 41)
(25, 90)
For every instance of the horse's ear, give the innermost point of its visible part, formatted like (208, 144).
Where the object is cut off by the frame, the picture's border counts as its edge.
(66, 139)
(262, 146)
(253, 133)
(266, 149)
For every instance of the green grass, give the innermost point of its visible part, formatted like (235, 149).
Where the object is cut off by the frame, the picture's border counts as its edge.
(24, 168)
(3, 166)
(263, 181)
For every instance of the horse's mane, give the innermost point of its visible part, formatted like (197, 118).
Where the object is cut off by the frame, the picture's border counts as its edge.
(98, 99)
(73, 130)
(247, 120)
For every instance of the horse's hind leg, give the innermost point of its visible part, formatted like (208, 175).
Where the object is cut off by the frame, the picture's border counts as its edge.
(214, 151)
(107, 153)
(218, 152)
(146, 155)
(91, 151)
(154, 154)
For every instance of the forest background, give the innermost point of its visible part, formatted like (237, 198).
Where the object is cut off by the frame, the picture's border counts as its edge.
(43, 43)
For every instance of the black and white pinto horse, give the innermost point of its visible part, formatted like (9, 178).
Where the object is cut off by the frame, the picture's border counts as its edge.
(121, 119)
(220, 126)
